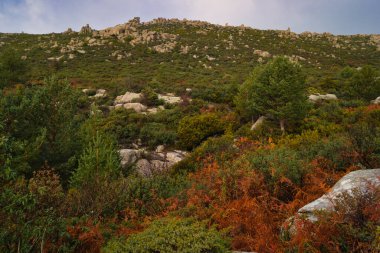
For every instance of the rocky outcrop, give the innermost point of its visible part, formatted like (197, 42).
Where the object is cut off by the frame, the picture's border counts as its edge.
(128, 97)
(318, 97)
(131, 29)
(121, 30)
(69, 31)
(86, 29)
(146, 37)
(150, 162)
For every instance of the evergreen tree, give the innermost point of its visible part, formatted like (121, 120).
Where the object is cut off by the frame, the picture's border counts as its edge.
(365, 83)
(44, 122)
(276, 90)
(98, 163)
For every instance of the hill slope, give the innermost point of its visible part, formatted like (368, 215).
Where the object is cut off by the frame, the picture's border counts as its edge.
(171, 55)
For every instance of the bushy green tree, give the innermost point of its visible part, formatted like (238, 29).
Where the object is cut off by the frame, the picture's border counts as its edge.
(12, 68)
(172, 235)
(44, 122)
(277, 90)
(99, 162)
(193, 130)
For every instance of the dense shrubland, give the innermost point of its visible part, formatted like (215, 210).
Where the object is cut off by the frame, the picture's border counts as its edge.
(62, 188)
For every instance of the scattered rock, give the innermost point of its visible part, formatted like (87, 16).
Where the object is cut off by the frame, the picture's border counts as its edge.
(317, 97)
(128, 97)
(100, 93)
(210, 58)
(137, 107)
(262, 53)
(170, 98)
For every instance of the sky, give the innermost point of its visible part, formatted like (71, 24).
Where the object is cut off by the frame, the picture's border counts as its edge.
(335, 16)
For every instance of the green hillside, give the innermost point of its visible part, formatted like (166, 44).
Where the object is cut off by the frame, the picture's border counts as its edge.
(202, 56)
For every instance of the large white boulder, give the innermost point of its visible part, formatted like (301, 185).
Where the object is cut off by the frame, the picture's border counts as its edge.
(376, 101)
(360, 180)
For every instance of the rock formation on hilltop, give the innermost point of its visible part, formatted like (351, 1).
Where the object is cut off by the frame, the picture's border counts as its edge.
(86, 29)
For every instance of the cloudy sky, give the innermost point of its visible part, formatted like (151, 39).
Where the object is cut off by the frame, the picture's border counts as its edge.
(336, 16)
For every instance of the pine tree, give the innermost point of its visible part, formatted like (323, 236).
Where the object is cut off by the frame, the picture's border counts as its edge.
(99, 162)
(276, 90)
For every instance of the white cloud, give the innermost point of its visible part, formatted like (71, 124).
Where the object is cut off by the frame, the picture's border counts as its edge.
(39, 16)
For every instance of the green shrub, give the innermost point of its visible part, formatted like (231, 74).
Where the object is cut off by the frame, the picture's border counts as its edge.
(155, 134)
(277, 163)
(193, 130)
(172, 235)
(144, 195)
(150, 97)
